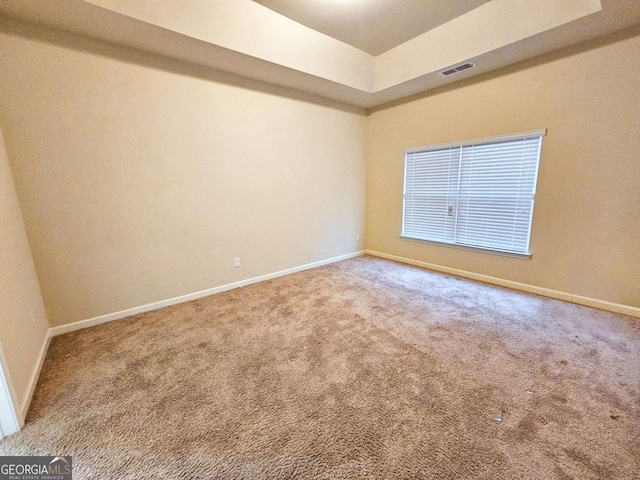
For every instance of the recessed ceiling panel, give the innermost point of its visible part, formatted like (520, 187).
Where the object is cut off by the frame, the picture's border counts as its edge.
(244, 38)
(374, 26)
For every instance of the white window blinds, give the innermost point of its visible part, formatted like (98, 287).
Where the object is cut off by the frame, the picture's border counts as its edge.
(478, 194)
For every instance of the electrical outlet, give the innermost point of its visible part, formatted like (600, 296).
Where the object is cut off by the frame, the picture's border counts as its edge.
(236, 262)
(357, 237)
(33, 318)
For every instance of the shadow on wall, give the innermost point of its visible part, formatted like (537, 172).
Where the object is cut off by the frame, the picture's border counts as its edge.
(103, 48)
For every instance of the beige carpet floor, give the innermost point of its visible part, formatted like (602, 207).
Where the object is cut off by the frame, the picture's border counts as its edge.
(360, 369)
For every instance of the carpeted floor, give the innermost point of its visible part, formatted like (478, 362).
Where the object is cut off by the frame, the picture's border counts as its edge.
(360, 369)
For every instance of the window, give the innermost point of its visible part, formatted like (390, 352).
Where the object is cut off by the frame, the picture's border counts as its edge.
(476, 194)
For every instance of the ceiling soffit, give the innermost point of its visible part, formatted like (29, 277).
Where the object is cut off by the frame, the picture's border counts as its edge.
(248, 39)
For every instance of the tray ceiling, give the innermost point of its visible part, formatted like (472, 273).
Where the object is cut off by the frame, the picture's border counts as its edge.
(373, 26)
(244, 37)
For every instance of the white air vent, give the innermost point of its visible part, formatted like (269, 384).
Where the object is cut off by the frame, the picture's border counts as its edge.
(456, 69)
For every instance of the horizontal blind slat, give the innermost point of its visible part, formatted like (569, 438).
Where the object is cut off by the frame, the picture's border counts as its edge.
(479, 195)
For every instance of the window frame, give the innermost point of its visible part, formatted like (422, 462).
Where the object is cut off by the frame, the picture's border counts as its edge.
(470, 142)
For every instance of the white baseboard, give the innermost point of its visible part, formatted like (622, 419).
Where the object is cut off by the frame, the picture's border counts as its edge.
(35, 374)
(545, 292)
(90, 322)
(10, 419)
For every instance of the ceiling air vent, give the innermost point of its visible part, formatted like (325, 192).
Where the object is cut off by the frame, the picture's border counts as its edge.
(456, 69)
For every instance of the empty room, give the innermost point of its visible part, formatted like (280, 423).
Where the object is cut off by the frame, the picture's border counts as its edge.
(324, 239)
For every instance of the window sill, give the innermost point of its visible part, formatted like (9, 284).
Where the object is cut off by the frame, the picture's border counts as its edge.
(524, 256)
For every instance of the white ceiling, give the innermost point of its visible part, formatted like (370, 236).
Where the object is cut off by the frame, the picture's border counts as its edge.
(245, 38)
(373, 26)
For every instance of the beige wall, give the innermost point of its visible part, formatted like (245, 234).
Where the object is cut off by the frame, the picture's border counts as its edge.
(140, 178)
(586, 227)
(23, 323)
